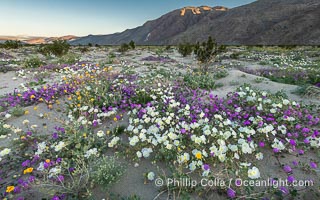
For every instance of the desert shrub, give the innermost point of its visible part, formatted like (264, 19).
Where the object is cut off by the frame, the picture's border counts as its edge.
(4, 130)
(168, 47)
(12, 44)
(235, 55)
(76, 188)
(105, 171)
(5, 69)
(142, 97)
(203, 81)
(112, 55)
(57, 48)
(259, 80)
(207, 53)
(234, 83)
(83, 49)
(124, 47)
(220, 74)
(33, 62)
(17, 111)
(132, 44)
(312, 91)
(185, 49)
(69, 58)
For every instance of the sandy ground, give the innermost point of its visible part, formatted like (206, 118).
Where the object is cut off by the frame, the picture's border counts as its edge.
(133, 182)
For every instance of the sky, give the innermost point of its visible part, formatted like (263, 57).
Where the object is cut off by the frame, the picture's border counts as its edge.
(84, 17)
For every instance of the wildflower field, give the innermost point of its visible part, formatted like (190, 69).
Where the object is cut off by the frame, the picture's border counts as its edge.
(147, 124)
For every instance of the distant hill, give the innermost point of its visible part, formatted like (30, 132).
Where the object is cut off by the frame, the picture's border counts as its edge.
(36, 39)
(265, 22)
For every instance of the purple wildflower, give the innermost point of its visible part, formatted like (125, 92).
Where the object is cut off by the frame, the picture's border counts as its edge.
(231, 193)
(287, 169)
(290, 179)
(206, 167)
(313, 165)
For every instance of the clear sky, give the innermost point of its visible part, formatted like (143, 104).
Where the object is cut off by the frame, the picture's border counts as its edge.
(83, 17)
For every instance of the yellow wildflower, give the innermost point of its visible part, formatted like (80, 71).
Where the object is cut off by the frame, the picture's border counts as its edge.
(10, 189)
(28, 170)
(35, 108)
(47, 160)
(199, 155)
(26, 112)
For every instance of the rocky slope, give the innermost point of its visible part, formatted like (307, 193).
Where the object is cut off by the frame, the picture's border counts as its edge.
(267, 22)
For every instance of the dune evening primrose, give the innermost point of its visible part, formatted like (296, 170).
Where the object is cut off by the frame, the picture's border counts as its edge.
(254, 173)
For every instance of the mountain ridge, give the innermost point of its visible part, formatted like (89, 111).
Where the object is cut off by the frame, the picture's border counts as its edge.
(265, 22)
(37, 39)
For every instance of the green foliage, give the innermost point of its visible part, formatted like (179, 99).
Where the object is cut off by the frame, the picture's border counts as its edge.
(234, 83)
(207, 53)
(235, 55)
(69, 58)
(203, 81)
(57, 48)
(17, 111)
(142, 97)
(5, 69)
(12, 44)
(132, 44)
(33, 62)
(124, 47)
(185, 49)
(83, 49)
(105, 171)
(259, 80)
(312, 91)
(281, 93)
(40, 81)
(3, 130)
(77, 185)
(218, 74)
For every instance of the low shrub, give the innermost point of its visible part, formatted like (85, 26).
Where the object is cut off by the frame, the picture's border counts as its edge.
(57, 48)
(185, 49)
(105, 171)
(33, 62)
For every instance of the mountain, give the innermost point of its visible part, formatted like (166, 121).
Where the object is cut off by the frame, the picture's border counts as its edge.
(37, 39)
(265, 22)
